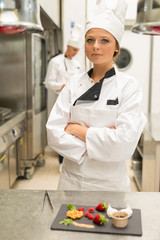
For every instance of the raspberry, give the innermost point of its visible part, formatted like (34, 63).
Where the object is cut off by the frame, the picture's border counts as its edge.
(81, 209)
(91, 209)
(86, 214)
(90, 216)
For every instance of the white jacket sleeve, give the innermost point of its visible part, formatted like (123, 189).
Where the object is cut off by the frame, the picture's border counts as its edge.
(120, 143)
(54, 80)
(65, 144)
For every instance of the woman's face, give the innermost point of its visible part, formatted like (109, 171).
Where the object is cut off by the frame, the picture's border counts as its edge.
(100, 46)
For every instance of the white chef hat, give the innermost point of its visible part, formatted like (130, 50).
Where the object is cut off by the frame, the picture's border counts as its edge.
(109, 15)
(75, 39)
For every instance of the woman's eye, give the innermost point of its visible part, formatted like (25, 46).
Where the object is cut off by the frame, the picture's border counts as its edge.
(89, 40)
(105, 41)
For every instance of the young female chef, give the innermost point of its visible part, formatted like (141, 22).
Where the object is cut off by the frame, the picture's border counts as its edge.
(97, 119)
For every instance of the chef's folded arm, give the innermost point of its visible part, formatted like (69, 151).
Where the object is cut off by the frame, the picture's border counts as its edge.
(67, 145)
(63, 143)
(119, 144)
(77, 130)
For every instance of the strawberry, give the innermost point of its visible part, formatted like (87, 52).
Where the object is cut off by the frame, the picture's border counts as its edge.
(86, 214)
(100, 219)
(102, 206)
(91, 209)
(81, 209)
(90, 216)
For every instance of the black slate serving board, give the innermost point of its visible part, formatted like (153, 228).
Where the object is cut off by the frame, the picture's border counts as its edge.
(133, 228)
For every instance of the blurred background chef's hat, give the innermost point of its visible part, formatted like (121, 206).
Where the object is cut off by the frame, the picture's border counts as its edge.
(109, 15)
(75, 39)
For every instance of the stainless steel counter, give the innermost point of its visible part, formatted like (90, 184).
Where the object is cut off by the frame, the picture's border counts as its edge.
(15, 119)
(22, 216)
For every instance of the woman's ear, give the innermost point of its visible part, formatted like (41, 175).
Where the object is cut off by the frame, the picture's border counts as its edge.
(116, 53)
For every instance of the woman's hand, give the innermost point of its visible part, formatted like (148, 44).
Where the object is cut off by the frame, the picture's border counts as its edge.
(112, 127)
(63, 86)
(76, 130)
(79, 130)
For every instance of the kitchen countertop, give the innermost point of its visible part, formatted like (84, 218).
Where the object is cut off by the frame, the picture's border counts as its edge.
(15, 119)
(21, 215)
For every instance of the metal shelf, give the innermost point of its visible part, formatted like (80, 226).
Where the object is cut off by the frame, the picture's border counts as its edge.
(140, 150)
(138, 179)
(140, 145)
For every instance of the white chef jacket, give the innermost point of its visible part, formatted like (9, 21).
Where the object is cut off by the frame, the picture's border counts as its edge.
(60, 70)
(100, 162)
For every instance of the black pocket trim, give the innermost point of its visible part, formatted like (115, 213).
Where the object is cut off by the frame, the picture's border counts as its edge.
(112, 102)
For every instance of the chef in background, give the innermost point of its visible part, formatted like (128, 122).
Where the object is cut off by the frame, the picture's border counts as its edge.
(98, 127)
(62, 67)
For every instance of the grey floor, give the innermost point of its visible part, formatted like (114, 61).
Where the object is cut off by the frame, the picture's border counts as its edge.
(46, 177)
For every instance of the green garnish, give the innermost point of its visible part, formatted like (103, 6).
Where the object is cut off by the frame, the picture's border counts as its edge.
(71, 207)
(66, 221)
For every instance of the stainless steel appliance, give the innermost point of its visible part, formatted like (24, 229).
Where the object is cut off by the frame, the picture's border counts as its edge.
(22, 71)
(19, 15)
(5, 113)
(36, 98)
(148, 17)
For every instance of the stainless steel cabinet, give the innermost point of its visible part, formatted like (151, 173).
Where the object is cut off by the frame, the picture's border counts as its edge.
(12, 136)
(9, 164)
(12, 164)
(4, 170)
(21, 154)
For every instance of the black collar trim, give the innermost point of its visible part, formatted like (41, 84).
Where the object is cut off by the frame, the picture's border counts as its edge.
(93, 93)
(108, 74)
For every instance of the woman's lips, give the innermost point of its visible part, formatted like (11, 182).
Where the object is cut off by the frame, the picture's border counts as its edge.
(96, 55)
